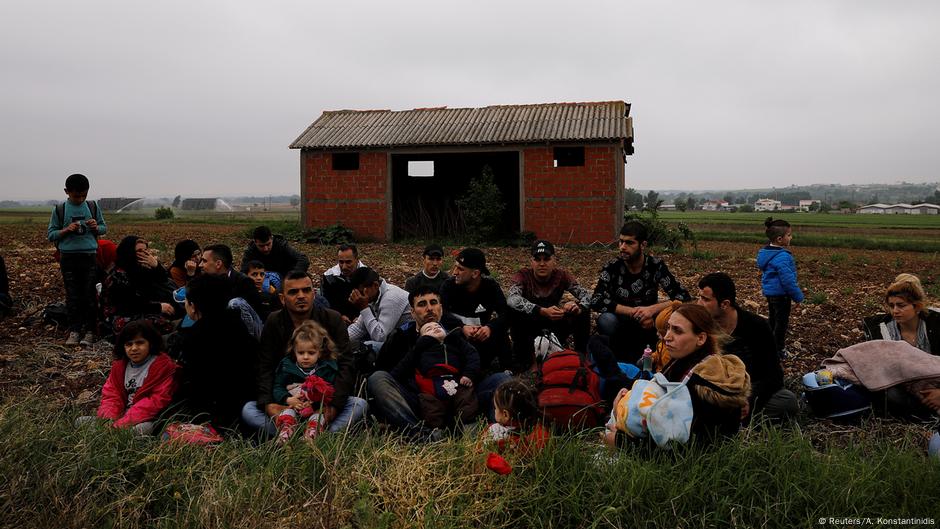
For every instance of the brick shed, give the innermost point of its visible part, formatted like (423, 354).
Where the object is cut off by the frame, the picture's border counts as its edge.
(396, 174)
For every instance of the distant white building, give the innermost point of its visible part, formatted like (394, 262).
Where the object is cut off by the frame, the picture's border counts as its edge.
(806, 205)
(715, 205)
(767, 204)
(900, 209)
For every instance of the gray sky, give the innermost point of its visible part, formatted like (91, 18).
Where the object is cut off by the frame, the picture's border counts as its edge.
(202, 98)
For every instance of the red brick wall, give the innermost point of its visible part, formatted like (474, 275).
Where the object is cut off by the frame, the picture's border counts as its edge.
(576, 205)
(357, 199)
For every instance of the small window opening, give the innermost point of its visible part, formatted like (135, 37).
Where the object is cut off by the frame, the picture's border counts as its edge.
(345, 161)
(421, 169)
(569, 156)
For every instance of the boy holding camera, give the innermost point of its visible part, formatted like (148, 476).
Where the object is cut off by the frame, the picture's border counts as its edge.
(74, 228)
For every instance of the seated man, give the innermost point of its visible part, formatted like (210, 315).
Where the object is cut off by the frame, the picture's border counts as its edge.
(335, 282)
(297, 298)
(535, 306)
(627, 295)
(753, 342)
(217, 260)
(431, 275)
(382, 307)
(274, 252)
(476, 299)
(396, 400)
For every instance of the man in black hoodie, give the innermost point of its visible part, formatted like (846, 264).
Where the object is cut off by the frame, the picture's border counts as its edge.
(274, 252)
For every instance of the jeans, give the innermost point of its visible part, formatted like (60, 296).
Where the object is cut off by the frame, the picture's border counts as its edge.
(779, 320)
(524, 328)
(627, 337)
(78, 275)
(398, 405)
(256, 419)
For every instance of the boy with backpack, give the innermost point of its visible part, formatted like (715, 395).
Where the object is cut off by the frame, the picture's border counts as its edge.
(74, 229)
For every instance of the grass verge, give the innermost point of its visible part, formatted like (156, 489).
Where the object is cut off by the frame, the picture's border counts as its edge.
(54, 475)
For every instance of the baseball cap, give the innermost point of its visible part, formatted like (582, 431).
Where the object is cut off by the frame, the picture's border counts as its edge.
(473, 258)
(433, 250)
(543, 247)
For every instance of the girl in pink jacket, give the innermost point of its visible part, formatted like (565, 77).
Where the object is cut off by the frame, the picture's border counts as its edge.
(142, 379)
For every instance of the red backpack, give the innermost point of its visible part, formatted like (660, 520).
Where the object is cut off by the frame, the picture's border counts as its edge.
(569, 391)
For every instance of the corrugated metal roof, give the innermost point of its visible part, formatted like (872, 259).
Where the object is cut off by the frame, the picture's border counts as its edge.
(504, 124)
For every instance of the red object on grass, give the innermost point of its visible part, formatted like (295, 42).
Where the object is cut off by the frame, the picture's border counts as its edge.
(496, 463)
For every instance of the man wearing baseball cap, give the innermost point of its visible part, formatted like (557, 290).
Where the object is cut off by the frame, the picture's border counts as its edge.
(536, 306)
(431, 275)
(478, 302)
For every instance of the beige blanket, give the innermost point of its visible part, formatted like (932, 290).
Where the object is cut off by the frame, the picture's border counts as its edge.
(880, 364)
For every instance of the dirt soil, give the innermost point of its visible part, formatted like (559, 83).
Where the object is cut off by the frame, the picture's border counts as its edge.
(843, 284)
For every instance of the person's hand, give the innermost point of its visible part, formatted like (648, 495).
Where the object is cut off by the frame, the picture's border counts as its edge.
(329, 413)
(147, 259)
(470, 331)
(745, 410)
(92, 225)
(73, 227)
(274, 409)
(483, 333)
(643, 313)
(191, 267)
(648, 323)
(358, 299)
(464, 381)
(346, 320)
(166, 308)
(931, 398)
(572, 308)
(294, 402)
(552, 313)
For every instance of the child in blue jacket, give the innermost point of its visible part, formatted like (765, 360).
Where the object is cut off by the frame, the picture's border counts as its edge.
(778, 279)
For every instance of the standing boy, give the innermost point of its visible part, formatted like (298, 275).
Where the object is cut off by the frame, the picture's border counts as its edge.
(778, 279)
(74, 228)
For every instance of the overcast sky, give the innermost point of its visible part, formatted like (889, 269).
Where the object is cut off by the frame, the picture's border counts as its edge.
(202, 98)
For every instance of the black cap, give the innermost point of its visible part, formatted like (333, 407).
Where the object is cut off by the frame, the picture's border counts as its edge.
(433, 250)
(543, 247)
(473, 258)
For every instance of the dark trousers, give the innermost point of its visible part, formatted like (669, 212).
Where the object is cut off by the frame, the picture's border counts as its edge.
(779, 319)
(524, 328)
(496, 347)
(438, 413)
(628, 338)
(78, 274)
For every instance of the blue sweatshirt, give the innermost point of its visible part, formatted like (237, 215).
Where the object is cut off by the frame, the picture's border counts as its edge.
(778, 272)
(73, 242)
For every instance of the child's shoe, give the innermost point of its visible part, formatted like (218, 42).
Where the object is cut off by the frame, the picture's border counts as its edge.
(73, 339)
(313, 427)
(286, 424)
(88, 340)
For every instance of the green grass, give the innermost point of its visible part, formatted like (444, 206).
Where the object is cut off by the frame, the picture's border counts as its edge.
(54, 475)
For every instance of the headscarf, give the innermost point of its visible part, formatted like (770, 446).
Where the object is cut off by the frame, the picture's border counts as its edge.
(106, 255)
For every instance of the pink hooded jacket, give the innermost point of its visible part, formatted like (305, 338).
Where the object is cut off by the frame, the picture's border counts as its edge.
(149, 400)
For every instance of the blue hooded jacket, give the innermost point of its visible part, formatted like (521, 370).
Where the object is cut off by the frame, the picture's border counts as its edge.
(779, 272)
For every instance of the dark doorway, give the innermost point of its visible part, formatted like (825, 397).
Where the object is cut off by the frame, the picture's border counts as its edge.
(425, 188)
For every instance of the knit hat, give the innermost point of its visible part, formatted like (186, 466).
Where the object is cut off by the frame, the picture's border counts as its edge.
(727, 373)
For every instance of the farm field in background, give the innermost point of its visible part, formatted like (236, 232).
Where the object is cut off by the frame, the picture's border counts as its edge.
(916, 233)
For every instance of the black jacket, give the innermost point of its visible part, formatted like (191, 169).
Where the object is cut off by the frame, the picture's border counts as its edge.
(283, 259)
(753, 342)
(402, 341)
(274, 340)
(218, 365)
(871, 325)
(428, 352)
(459, 301)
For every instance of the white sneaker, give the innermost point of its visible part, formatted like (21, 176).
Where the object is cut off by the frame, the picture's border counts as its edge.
(88, 340)
(73, 339)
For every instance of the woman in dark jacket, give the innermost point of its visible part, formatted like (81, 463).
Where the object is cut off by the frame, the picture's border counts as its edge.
(138, 287)
(910, 320)
(218, 356)
(185, 262)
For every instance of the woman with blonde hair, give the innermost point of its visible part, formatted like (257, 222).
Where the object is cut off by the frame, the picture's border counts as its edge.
(908, 317)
